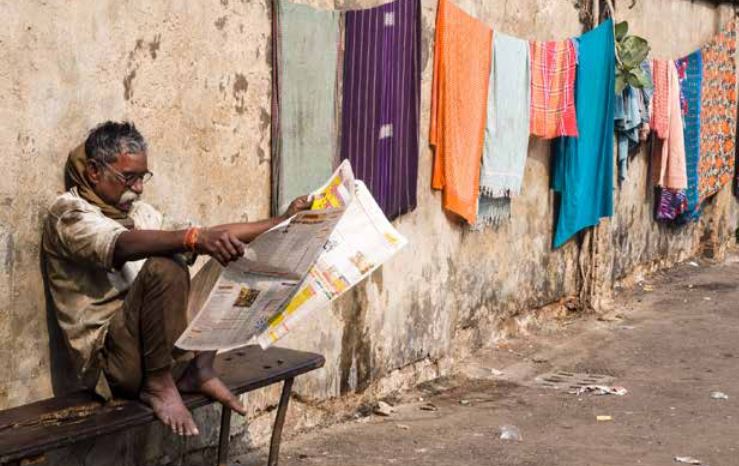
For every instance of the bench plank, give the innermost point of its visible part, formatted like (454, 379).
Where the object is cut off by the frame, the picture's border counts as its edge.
(46, 425)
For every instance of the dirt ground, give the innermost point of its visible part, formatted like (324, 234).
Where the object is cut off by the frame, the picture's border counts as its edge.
(675, 344)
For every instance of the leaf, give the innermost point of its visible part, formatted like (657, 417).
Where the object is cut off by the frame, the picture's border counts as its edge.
(641, 77)
(632, 80)
(621, 29)
(634, 50)
(620, 84)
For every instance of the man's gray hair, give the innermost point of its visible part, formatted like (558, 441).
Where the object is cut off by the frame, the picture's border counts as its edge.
(110, 139)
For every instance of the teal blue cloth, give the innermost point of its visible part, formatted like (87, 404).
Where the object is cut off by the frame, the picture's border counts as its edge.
(582, 168)
(307, 42)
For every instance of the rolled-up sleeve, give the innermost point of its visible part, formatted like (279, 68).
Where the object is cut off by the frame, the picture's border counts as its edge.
(89, 237)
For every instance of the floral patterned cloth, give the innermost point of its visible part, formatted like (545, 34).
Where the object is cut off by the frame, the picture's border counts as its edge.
(718, 113)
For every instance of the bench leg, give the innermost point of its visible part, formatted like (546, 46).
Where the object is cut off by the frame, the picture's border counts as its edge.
(224, 436)
(274, 444)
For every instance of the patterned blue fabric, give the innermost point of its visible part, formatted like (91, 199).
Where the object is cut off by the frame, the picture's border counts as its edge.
(690, 71)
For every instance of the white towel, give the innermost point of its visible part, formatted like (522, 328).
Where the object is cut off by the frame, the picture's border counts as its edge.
(507, 129)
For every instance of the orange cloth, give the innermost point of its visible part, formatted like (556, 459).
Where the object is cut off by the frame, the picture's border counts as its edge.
(669, 152)
(553, 69)
(462, 56)
(659, 110)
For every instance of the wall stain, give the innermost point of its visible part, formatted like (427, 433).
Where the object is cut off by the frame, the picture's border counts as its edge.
(9, 252)
(263, 158)
(128, 84)
(241, 85)
(355, 341)
(134, 61)
(265, 120)
(377, 278)
(154, 46)
(139, 45)
(427, 31)
(220, 23)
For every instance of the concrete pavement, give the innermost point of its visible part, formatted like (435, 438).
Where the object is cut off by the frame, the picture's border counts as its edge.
(675, 342)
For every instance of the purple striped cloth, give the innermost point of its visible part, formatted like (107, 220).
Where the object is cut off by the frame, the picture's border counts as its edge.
(381, 102)
(671, 204)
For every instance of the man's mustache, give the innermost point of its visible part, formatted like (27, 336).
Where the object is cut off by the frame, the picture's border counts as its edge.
(128, 196)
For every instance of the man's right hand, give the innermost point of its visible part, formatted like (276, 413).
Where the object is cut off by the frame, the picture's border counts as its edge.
(219, 244)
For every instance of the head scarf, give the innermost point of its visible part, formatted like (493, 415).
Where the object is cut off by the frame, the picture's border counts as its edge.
(74, 177)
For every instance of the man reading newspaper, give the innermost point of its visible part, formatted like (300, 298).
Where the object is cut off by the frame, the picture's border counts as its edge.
(119, 282)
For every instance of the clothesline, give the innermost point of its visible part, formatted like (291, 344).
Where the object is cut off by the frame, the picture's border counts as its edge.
(552, 116)
(481, 142)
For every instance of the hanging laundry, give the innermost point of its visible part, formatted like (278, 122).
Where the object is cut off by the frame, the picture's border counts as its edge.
(381, 104)
(668, 154)
(660, 115)
(672, 203)
(736, 158)
(458, 103)
(718, 113)
(583, 166)
(306, 41)
(507, 129)
(553, 68)
(631, 114)
(689, 70)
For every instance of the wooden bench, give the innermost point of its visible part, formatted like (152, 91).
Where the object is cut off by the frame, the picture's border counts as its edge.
(28, 432)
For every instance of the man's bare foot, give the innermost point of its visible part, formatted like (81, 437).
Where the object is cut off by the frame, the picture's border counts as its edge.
(160, 392)
(200, 377)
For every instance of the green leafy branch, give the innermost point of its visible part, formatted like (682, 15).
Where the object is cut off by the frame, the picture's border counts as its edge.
(631, 51)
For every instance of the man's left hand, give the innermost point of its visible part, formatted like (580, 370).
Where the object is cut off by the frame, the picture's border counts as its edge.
(299, 204)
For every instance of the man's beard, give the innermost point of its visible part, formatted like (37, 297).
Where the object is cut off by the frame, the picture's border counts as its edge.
(127, 199)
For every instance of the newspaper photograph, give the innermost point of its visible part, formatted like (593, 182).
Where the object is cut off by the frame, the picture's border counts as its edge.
(363, 240)
(259, 285)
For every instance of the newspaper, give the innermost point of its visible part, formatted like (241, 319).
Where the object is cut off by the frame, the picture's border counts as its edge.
(363, 240)
(251, 291)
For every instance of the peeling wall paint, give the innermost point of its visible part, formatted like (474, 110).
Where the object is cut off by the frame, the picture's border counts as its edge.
(196, 79)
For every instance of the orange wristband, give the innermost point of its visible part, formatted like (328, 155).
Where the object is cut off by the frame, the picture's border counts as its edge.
(191, 238)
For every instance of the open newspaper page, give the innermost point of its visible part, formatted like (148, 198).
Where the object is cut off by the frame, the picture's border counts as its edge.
(255, 288)
(363, 240)
(291, 248)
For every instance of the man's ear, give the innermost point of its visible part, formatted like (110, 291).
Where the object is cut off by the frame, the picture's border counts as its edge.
(93, 172)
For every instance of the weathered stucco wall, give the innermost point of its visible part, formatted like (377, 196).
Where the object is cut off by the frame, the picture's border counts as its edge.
(195, 78)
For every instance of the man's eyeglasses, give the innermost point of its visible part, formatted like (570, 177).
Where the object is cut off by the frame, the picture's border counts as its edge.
(131, 178)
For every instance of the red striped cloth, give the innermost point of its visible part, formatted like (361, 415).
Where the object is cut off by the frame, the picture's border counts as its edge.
(553, 67)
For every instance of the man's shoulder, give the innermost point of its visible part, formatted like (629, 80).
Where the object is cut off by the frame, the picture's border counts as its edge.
(70, 201)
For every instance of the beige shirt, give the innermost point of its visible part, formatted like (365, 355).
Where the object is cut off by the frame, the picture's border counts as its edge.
(78, 244)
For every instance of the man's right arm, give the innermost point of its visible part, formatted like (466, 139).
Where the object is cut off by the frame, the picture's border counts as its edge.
(225, 243)
(135, 245)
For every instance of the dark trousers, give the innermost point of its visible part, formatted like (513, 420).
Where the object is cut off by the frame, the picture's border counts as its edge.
(141, 336)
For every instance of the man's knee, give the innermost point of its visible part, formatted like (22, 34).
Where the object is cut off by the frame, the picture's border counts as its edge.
(167, 271)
